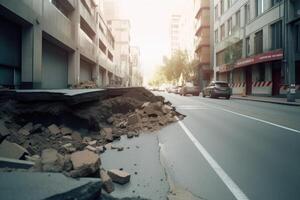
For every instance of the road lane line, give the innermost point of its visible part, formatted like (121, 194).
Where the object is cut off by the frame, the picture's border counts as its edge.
(253, 118)
(232, 186)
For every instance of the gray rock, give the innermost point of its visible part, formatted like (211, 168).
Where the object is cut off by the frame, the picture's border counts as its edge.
(54, 129)
(12, 150)
(66, 131)
(51, 161)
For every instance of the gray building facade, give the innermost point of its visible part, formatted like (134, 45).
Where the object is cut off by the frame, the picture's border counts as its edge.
(54, 44)
(251, 52)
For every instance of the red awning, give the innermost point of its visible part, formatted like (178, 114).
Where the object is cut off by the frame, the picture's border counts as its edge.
(264, 57)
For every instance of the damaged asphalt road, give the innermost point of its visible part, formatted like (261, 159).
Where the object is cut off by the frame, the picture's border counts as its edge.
(48, 135)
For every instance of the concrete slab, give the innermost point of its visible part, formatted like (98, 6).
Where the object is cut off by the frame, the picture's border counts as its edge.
(141, 159)
(66, 92)
(36, 186)
(16, 164)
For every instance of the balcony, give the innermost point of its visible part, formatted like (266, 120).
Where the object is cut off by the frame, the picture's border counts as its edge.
(87, 47)
(86, 15)
(202, 23)
(229, 40)
(57, 24)
(203, 4)
(201, 42)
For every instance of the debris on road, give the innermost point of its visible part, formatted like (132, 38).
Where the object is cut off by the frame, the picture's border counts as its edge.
(67, 138)
(119, 176)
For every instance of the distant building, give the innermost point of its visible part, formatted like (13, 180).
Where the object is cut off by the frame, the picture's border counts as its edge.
(202, 41)
(121, 31)
(251, 52)
(175, 32)
(54, 44)
(136, 73)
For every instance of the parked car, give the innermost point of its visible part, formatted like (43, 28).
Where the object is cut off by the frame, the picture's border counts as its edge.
(190, 88)
(217, 89)
(173, 89)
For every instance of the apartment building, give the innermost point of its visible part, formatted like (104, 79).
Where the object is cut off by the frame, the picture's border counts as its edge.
(54, 44)
(121, 30)
(175, 33)
(135, 60)
(202, 41)
(249, 46)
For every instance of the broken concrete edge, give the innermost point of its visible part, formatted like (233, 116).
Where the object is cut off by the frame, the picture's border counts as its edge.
(14, 163)
(48, 95)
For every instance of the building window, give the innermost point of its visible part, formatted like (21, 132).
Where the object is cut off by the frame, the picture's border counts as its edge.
(248, 46)
(62, 7)
(276, 35)
(229, 26)
(238, 19)
(216, 36)
(110, 56)
(228, 4)
(216, 12)
(261, 72)
(259, 7)
(258, 42)
(222, 32)
(298, 38)
(222, 7)
(102, 46)
(274, 2)
(247, 13)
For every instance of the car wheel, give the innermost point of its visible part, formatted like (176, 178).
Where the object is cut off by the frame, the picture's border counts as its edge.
(228, 97)
(203, 94)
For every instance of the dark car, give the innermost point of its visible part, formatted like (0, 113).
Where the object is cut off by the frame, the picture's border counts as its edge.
(217, 89)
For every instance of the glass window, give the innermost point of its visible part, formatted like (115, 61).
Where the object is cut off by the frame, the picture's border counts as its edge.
(247, 13)
(216, 36)
(248, 46)
(258, 42)
(274, 2)
(298, 38)
(259, 7)
(222, 7)
(238, 18)
(229, 26)
(222, 31)
(276, 35)
(216, 12)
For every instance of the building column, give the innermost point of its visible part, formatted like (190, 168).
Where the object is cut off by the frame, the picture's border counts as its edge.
(74, 57)
(31, 74)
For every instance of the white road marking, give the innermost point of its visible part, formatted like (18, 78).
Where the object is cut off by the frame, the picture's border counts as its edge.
(232, 186)
(253, 118)
(191, 107)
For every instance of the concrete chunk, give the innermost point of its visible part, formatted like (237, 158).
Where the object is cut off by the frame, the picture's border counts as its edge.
(119, 176)
(12, 150)
(108, 185)
(133, 119)
(54, 129)
(85, 158)
(66, 131)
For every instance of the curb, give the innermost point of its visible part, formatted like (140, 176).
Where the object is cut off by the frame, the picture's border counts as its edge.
(267, 101)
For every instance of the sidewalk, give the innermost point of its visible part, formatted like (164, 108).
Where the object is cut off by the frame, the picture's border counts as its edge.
(275, 100)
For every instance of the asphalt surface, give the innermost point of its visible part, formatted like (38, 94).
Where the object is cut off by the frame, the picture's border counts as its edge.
(233, 149)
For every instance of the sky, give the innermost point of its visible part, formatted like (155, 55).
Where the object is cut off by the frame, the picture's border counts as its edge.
(150, 22)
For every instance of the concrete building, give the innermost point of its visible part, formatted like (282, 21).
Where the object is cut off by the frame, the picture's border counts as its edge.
(249, 45)
(175, 33)
(54, 44)
(202, 41)
(121, 31)
(135, 60)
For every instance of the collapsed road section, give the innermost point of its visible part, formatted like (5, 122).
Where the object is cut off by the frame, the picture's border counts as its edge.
(66, 131)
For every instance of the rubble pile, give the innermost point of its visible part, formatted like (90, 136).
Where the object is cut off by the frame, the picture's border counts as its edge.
(85, 85)
(57, 137)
